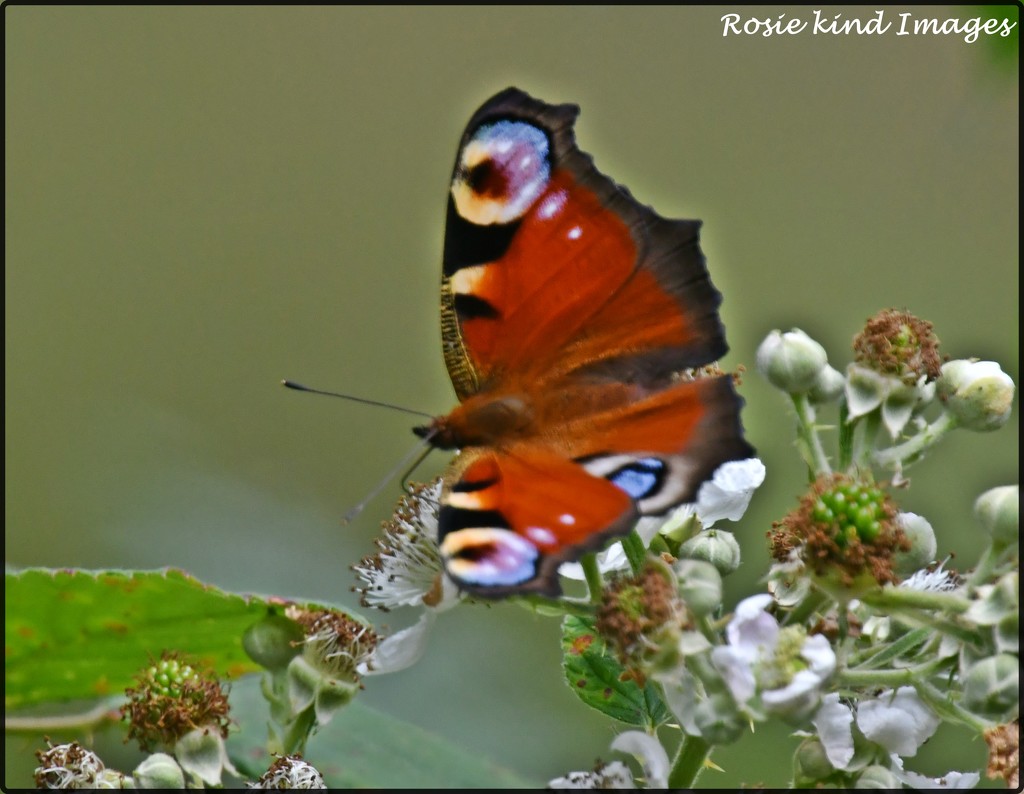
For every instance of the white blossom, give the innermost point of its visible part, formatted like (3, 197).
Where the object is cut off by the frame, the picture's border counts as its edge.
(785, 665)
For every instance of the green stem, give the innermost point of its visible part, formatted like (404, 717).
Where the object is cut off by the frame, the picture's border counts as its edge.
(897, 597)
(815, 457)
(845, 436)
(913, 448)
(592, 573)
(983, 570)
(893, 678)
(635, 550)
(298, 731)
(556, 606)
(689, 762)
(916, 617)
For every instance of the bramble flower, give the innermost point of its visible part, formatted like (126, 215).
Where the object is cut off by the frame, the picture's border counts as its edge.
(71, 766)
(842, 530)
(900, 345)
(791, 361)
(290, 772)
(407, 569)
(644, 747)
(184, 708)
(784, 666)
(977, 393)
(896, 361)
(615, 775)
(173, 699)
(326, 673)
(642, 618)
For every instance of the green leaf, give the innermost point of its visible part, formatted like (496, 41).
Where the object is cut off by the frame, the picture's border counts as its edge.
(364, 748)
(79, 635)
(595, 676)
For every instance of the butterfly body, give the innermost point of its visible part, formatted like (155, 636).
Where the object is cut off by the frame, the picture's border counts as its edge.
(577, 327)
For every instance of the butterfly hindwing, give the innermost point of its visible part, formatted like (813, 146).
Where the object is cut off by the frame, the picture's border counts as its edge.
(578, 329)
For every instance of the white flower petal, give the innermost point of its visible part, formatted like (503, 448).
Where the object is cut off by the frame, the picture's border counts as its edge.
(833, 722)
(865, 390)
(798, 697)
(727, 494)
(818, 654)
(948, 780)
(898, 407)
(614, 557)
(752, 629)
(650, 752)
(737, 671)
(400, 650)
(682, 691)
(899, 721)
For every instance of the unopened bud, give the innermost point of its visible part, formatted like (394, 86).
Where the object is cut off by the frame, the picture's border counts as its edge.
(992, 686)
(791, 361)
(715, 546)
(978, 393)
(999, 510)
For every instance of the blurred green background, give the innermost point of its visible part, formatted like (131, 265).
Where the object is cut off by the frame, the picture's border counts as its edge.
(202, 201)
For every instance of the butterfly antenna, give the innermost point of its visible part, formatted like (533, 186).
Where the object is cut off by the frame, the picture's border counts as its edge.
(290, 384)
(417, 450)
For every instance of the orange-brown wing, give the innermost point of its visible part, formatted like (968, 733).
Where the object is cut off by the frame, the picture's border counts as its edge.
(550, 267)
(511, 515)
(508, 519)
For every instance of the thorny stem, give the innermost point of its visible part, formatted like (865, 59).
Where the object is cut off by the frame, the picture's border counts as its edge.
(913, 448)
(815, 457)
(689, 762)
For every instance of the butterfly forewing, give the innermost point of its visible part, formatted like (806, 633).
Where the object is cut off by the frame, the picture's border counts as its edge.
(569, 311)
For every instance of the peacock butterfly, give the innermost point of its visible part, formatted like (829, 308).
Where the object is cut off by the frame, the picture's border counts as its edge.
(577, 328)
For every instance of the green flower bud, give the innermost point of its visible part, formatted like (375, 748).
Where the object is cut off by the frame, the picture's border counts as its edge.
(999, 510)
(718, 720)
(977, 393)
(159, 771)
(791, 361)
(810, 763)
(992, 686)
(700, 585)
(715, 546)
(273, 641)
(828, 386)
(877, 777)
(922, 543)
